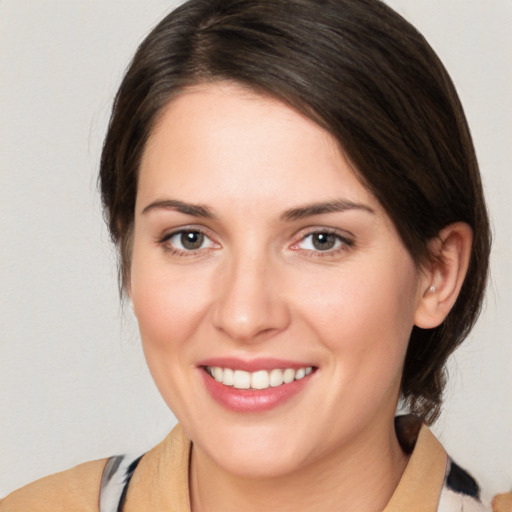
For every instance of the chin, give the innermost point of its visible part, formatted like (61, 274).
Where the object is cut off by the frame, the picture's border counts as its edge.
(258, 464)
(255, 453)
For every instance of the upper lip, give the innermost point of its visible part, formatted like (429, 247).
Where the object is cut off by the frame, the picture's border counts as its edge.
(252, 365)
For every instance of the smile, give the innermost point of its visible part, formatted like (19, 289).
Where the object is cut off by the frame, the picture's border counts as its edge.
(259, 380)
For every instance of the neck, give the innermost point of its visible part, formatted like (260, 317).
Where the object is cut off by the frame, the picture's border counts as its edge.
(360, 476)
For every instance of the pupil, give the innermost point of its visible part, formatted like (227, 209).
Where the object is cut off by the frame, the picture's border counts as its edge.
(192, 240)
(324, 241)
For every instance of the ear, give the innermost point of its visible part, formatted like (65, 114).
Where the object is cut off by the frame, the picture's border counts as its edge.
(442, 279)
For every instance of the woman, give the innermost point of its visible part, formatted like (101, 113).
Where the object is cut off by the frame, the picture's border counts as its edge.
(268, 168)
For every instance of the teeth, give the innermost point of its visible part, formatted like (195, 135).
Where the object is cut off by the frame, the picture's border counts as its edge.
(242, 380)
(288, 375)
(261, 379)
(228, 377)
(300, 373)
(276, 377)
(217, 374)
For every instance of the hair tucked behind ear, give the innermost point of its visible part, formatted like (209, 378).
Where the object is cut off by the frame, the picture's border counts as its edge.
(366, 75)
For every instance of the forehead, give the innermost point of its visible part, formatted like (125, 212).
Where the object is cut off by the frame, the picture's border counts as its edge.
(219, 140)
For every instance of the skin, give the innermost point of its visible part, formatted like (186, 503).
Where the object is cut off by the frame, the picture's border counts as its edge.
(258, 287)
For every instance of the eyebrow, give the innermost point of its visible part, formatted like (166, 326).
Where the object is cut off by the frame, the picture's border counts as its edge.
(196, 210)
(312, 209)
(301, 212)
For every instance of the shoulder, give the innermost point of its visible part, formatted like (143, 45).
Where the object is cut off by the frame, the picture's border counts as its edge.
(460, 491)
(76, 489)
(431, 477)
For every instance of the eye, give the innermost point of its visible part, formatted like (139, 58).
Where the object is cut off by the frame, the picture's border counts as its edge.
(323, 241)
(187, 240)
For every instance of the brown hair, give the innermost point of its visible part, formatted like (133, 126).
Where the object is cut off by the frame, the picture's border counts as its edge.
(365, 74)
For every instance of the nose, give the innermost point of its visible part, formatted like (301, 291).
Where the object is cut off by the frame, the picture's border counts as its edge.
(250, 301)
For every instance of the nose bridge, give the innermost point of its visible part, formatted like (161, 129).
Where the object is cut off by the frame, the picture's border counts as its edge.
(248, 302)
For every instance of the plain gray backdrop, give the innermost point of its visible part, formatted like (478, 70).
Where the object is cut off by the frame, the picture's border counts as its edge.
(73, 382)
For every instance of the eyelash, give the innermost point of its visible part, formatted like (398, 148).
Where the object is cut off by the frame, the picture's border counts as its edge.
(343, 242)
(164, 241)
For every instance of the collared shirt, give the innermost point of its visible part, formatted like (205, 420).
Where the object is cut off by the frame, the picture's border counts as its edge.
(158, 482)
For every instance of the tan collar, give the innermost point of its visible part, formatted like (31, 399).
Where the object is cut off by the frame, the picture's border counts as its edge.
(421, 484)
(160, 483)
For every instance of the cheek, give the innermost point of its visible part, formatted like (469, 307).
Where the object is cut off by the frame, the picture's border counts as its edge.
(364, 301)
(169, 307)
(364, 318)
(168, 304)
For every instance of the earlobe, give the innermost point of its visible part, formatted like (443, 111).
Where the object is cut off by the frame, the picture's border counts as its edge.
(450, 254)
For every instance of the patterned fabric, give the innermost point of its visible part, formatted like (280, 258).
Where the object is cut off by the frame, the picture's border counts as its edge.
(114, 482)
(460, 491)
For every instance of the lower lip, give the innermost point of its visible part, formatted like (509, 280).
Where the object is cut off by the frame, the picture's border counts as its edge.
(252, 400)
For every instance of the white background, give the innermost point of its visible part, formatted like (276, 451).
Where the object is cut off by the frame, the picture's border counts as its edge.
(73, 383)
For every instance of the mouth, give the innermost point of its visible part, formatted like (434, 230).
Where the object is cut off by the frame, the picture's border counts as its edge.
(256, 386)
(258, 380)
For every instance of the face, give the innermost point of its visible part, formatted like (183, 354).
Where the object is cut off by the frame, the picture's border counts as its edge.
(274, 296)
